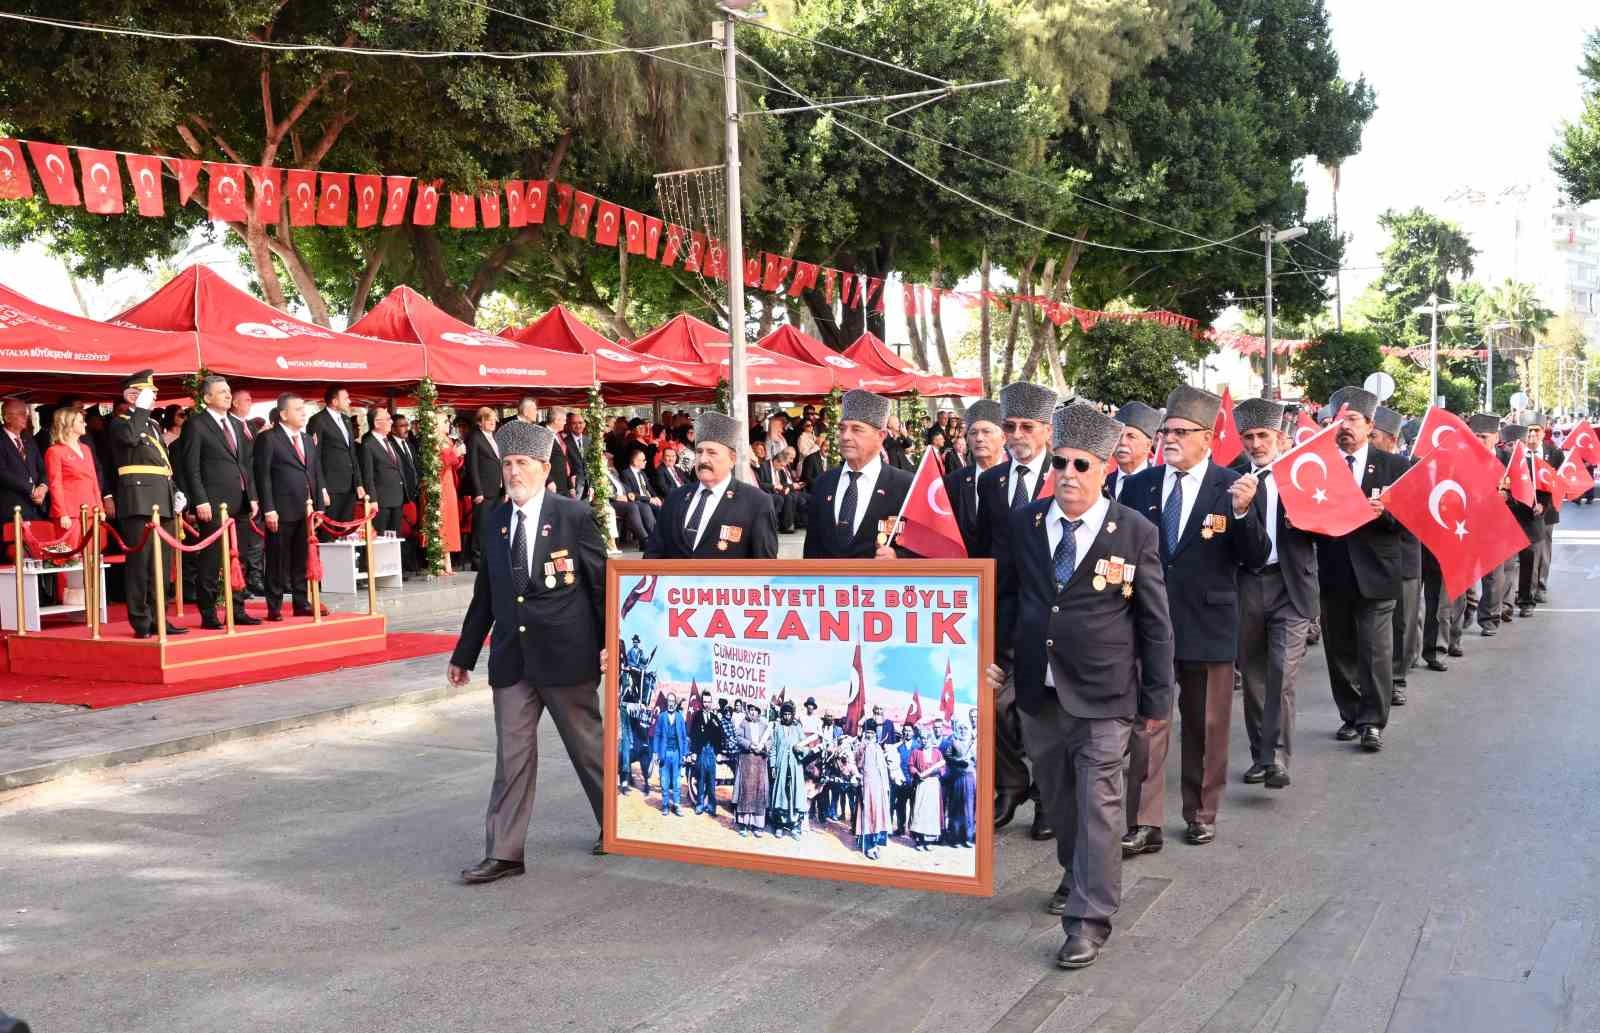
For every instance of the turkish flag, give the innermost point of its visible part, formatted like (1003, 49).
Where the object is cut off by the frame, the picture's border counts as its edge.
(144, 172)
(850, 290)
(535, 198)
(516, 211)
(1225, 443)
(1305, 428)
(633, 230)
(1581, 442)
(697, 252)
(302, 192)
(334, 208)
(15, 182)
(582, 209)
(914, 711)
(369, 200)
(225, 199)
(188, 172)
(1437, 426)
(1317, 489)
(607, 224)
(652, 236)
(395, 191)
(828, 277)
(563, 202)
(775, 269)
(928, 524)
(463, 213)
(855, 708)
(1520, 474)
(752, 271)
(908, 297)
(669, 257)
(1451, 502)
(426, 210)
(875, 291)
(489, 206)
(266, 182)
(1576, 476)
(102, 182)
(1548, 480)
(947, 695)
(716, 261)
(54, 166)
(805, 278)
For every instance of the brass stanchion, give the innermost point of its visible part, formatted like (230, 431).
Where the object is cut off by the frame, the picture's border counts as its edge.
(18, 552)
(154, 543)
(372, 566)
(227, 568)
(177, 567)
(315, 583)
(99, 583)
(86, 559)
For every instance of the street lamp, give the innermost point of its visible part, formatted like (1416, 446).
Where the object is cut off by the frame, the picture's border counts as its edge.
(1433, 308)
(1269, 237)
(1488, 373)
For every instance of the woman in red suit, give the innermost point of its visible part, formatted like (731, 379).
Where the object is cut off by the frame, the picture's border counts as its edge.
(74, 481)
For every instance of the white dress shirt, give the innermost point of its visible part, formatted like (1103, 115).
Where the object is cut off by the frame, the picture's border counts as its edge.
(1122, 477)
(717, 491)
(1359, 470)
(865, 484)
(530, 524)
(1093, 518)
(1192, 479)
(1035, 471)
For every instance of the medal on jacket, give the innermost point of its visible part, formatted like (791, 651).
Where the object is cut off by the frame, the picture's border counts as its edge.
(1101, 568)
(885, 529)
(1114, 569)
(565, 568)
(1215, 524)
(549, 575)
(1127, 580)
(728, 533)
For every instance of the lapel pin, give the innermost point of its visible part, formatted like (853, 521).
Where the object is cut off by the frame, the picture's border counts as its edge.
(504, 531)
(1111, 527)
(544, 532)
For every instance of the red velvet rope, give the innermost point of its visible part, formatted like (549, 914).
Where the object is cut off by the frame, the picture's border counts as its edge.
(144, 538)
(313, 551)
(340, 526)
(202, 544)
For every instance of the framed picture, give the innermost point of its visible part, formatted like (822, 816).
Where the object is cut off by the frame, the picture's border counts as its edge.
(821, 718)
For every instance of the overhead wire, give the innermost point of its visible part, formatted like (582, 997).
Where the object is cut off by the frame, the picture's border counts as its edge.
(841, 50)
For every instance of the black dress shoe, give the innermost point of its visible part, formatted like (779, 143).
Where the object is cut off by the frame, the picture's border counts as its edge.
(599, 848)
(1005, 808)
(1058, 903)
(1541, 596)
(242, 619)
(1255, 774)
(1527, 611)
(177, 629)
(1277, 777)
(1437, 665)
(1457, 651)
(142, 633)
(1347, 732)
(1199, 833)
(489, 869)
(1040, 829)
(209, 622)
(1141, 839)
(302, 611)
(1486, 633)
(1077, 952)
(1401, 682)
(1397, 698)
(1371, 739)
(274, 615)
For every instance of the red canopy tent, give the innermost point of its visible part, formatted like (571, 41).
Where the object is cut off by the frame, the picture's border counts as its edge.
(846, 372)
(462, 356)
(769, 375)
(45, 352)
(875, 355)
(240, 336)
(623, 373)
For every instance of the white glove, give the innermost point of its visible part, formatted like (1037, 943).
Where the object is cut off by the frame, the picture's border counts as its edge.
(179, 502)
(146, 399)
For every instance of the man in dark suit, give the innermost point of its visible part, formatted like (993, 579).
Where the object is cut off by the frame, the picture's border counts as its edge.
(144, 485)
(1092, 646)
(406, 448)
(986, 448)
(1533, 566)
(635, 477)
(541, 592)
(854, 506)
(288, 476)
(715, 516)
(569, 467)
(1360, 576)
(785, 502)
(1211, 528)
(1386, 427)
(482, 478)
(384, 469)
(1025, 414)
(666, 475)
(1139, 426)
(1277, 603)
(22, 480)
(220, 471)
(333, 430)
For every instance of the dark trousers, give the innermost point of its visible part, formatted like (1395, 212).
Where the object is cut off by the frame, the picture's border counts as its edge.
(481, 528)
(705, 780)
(1078, 764)
(900, 798)
(632, 519)
(387, 519)
(1442, 617)
(784, 508)
(286, 565)
(138, 574)
(341, 506)
(517, 711)
(253, 554)
(1272, 646)
(1404, 625)
(1358, 639)
(1011, 776)
(208, 562)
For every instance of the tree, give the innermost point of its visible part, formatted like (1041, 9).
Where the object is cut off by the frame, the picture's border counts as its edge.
(1134, 361)
(1336, 360)
(1576, 155)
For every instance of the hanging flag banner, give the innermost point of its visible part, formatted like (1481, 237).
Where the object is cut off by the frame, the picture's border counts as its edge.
(264, 182)
(334, 208)
(54, 167)
(369, 200)
(144, 173)
(799, 676)
(302, 193)
(395, 191)
(14, 180)
(102, 184)
(225, 200)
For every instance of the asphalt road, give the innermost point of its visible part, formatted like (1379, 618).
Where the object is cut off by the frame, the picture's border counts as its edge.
(306, 883)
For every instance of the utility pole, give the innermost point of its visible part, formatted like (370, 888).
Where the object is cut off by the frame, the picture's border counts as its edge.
(1268, 360)
(1433, 308)
(738, 391)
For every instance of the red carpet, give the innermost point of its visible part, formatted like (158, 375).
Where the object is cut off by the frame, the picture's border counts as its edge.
(33, 688)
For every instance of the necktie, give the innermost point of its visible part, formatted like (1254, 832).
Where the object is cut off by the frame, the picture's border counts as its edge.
(227, 435)
(1350, 461)
(22, 449)
(847, 505)
(519, 555)
(692, 528)
(1172, 513)
(297, 449)
(1066, 554)
(1019, 498)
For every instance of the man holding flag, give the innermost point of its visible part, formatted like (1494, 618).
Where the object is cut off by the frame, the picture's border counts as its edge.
(853, 506)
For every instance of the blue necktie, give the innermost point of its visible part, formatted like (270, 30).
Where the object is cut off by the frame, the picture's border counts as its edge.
(847, 506)
(1066, 554)
(1019, 497)
(1172, 513)
(519, 556)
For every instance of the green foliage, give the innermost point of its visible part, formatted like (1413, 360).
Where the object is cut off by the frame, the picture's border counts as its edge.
(830, 412)
(1140, 361)
(430, 470)
(1576, 155)
(595, 461)
(1336, 360)
(1426, 255)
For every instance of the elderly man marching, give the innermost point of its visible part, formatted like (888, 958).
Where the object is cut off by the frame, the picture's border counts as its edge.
(854, 506)
(1082, 575)
(1278, 603)
(541, 589)
(1211, 529)
(715, 517)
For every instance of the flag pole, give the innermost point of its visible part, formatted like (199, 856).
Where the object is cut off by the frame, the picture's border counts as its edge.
(900, 517)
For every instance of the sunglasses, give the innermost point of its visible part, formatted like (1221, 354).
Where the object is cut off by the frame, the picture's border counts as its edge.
(1181, 432)
(1080, 464)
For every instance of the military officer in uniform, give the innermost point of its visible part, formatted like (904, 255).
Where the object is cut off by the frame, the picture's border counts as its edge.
(541, 592)
(144, 485)
(715, 516)
(1092, 646)
(854, 506)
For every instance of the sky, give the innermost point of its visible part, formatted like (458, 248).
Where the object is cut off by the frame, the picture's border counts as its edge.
(1467, 94)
